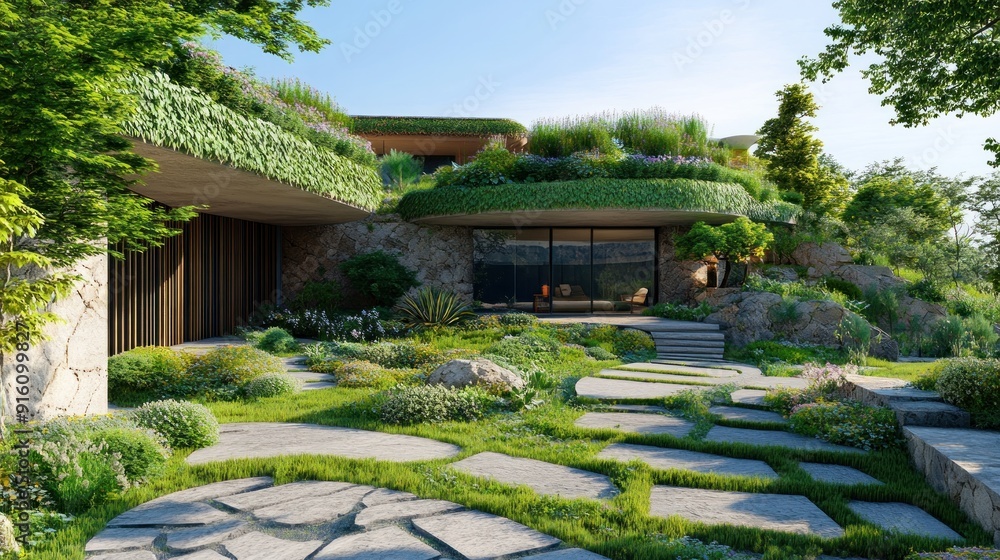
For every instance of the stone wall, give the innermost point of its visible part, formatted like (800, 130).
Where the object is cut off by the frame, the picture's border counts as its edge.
(441, 256)
(69, 372)
(679, 280)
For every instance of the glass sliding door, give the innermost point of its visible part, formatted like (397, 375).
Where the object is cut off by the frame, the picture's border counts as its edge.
(624, 267)
(493, 265)
(572, 288)
(532, 275)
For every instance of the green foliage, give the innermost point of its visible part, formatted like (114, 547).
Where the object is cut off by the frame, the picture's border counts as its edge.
(883, 307)
(936, 59)
(631, 341)
(786, 312)
(737, 242)
(220, 373)
(847, 423)
(679, 311)
(856, 335)
(848, 289)
(185, 425)
(926, 290)
(798, 290)
(824, 385)
(140, 452)
(433, 308)
(959, 553)
(403, 354)
(295, 92)
(563, 137)
(880, 197)
(655, 132)
(790, 150)
(183, 119)
(367, 374)
(948, 336)
(764, 352)
(435, 126)
(271, 385)
(432, 403)
(379, 276)
(595, 194)
(146, 370)
(400, 169)
(525, 349)
(492, 166)
(973, 385)
(318, 295)
(517, 319)
(276, 340)
(599, 353)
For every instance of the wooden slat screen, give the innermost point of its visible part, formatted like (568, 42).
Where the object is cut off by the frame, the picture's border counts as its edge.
(202, 283)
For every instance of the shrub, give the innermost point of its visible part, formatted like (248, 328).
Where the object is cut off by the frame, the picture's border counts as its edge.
(366, 374)
(948, 336)
(492, 166)
(432, 308)
(680, 312)
(768, 351)
(847, 423)
(631, 341)
(518, 319)
(563, 137)
(276, 340)
(183, 424)
(322, 295)
(850, 290)
(386, 354)
(524, 349)
(824, 385)
(140, 452)
(271, 385)
(146, 369)
(400, 169)
(856, 335)
(973, 385)
(364, 326)
(926, 290)
(379, 276)
(222, 371)
(432, 403)
(981, 335)
(599, 353)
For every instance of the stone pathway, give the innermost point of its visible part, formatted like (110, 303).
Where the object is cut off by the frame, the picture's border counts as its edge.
(838, 474)
(544, 478)
(638, 423)
(775, 438)
(613, 389)
(333, 521)
(665, 458)
(904, 518)
(748, 415)
(778, 512)
(264, 439)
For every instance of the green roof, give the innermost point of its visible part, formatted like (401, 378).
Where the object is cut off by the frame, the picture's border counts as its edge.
(184, 119)
(437, 126)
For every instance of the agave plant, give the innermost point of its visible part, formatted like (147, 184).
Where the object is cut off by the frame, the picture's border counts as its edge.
(432, 307)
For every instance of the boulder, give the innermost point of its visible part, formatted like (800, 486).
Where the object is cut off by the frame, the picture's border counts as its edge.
(920, 312)
(8, 538)
(782, 273)
(744, 316)
(822, 259)
(864, 276)
(479, 372)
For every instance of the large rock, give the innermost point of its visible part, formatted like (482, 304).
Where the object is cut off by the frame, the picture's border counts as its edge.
(479, 372)
(821, 259)
(862, 276)
(8, 538)
(920, 312)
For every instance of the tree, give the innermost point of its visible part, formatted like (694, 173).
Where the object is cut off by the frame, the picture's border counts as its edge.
(790, 150)
(738, 242)
(61, 102)
(985, 201)
(934, 58)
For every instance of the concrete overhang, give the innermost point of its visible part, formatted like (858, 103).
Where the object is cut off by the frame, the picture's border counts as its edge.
(185, 180)
(579, 218)
(740, 142)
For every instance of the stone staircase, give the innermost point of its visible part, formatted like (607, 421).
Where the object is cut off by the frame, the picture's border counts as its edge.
(913, 407)
(688, 341)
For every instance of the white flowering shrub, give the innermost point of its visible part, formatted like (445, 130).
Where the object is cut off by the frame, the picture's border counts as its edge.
(183, 424)
(432, 403)
(271, 385)
(221, 373)
(973, 385)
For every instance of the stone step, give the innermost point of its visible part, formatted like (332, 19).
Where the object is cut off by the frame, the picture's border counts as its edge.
(690, 357)
(690, 343)
(677, 327)
(678, 335)
(913, 407)
(688, 349)
(930, 413)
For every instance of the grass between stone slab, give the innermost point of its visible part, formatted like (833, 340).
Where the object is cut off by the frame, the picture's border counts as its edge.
(620, 528)
(660, 371)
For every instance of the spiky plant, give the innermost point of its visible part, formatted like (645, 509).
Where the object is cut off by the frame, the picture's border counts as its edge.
(432, 307)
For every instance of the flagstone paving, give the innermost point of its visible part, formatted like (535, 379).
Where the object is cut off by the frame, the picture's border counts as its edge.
(748, 414)
(638, 423)
(544, 478)
(380, 523)
(266, 439)
(779, 512)
(663, 377)
(837, 474)
(664, 458)
(597, 388)
(904, 518)
(775, 438)
(678, 369)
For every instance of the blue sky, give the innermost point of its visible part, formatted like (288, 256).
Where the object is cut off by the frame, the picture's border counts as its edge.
(525, 59)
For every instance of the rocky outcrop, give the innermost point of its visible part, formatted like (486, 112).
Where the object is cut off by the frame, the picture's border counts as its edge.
(747, 317)
(479, 372)
(679, 280)
(8, 539)
(821, 259)
(864, 277)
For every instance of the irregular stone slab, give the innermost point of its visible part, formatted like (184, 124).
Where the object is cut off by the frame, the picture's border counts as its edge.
(200, 537)
(680, 369)
(122, 539)
(597, 388)
(837, 474)
(216, 490)
(777, 512)
(647, 408)
(390, 543)
(273, 439)
(568, 554)
(664, 378)
(250, 501)
(258, 546)
(202, 555)
(313, 510)
(544, 478)
(660, 458)
(905, 518)
(385, 496)
(774, 437)
(764, 382)
(395, 511)
(638, 423)
(481, 536)
(748, 396)
(748, 414)
(167, 513)
(930, 413)
(131, 555)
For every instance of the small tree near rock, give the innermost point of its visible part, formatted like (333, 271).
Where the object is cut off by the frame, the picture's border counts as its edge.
(738, 242)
